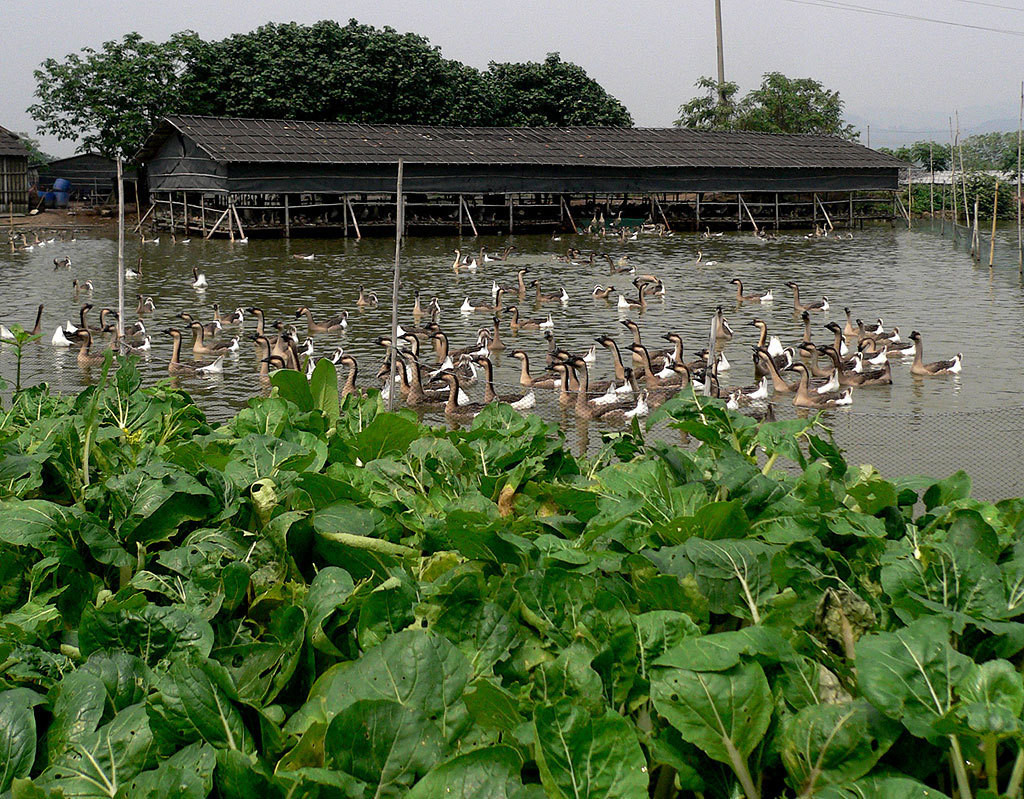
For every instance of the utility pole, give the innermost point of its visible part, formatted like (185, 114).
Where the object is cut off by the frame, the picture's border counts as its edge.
(721, 53)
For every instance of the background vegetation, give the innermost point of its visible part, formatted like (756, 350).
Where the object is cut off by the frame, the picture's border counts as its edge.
(110, 99)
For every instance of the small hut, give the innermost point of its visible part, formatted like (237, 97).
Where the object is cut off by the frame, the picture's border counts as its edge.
(14, 182)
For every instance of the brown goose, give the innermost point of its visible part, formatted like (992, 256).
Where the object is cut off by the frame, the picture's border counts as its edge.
(935, 368)
(814, 305)
(333, 325)
(805, 398)
(452, 409)
(740, 296)
(520, 401)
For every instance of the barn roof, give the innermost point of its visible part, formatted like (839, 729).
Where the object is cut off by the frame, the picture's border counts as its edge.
(233, 140)
(11, 144)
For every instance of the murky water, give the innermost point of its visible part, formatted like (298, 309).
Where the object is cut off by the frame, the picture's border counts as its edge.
(913, 279)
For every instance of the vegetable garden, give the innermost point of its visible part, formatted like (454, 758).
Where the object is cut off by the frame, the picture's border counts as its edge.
(325, 600)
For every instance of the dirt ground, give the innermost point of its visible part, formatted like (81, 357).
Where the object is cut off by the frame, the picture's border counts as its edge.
(98, 222)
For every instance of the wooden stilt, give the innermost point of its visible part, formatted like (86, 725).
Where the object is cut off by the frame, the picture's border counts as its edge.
(942, 214)
(170, 207)
(344, 214)
(668, 228)
(975, 248)
(776, 212)
(510, 210)
(469, 216)
(739, 212)
(152, 207)
(992, 239)
(698, 211)
(931, 186)
(202, 213)
(238, 221)
(747, 208)
(849, 215)
(287, 219)
(910, 195)
(814, 210)
(460, 214)
(217, 223)
(186, 214)
(1020, 197)
(355, 222)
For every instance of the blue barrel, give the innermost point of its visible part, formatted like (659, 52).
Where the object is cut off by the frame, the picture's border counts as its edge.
(62, 184)
(62, 199)
(49, 199)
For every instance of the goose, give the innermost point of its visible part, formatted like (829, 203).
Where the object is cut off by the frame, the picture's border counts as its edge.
(61, 263)
(626, 304)
(307, 347)
(458, 264)
(452, 409)
(700, 260)
(601, 293)
(851, 377)
(236, 317)
(874, 377)
(585, 408)
(304, 257)
(519, 287)
(528, 380)
(80, 287)
(350, 381)
(149, 241)
(332, 325)
(520, 402)
(722, 330)
(935, 368)
(240, 240)
(814, 305)
(811, 354)
(145, 306)
(848, 329)
(183, 241)
(740, 296)
(85, 355)
(198, 279)
(130, 273)
(494, 343)
(367, 300)
(804, 398)
(468, 307)
(767, 297)
(839, 341)
(540, 298)
(615, 269)
(199, 345)
(59, 339)
(210, 328)
(622, 414)
(538, 323)
(232, 345)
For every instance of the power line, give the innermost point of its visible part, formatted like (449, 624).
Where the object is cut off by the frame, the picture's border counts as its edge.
(840, 6)
(990, 5)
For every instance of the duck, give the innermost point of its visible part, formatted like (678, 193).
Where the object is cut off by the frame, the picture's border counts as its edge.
(602, 293)
(814, 305)
(740, 296)
(520, 401)
(701, 261)
(921, 369)
(367, 300)
(333, 325)
(805, 398)
(198, 279)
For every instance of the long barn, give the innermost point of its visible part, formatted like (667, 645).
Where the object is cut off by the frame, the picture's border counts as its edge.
(279, 177)
(14, 182)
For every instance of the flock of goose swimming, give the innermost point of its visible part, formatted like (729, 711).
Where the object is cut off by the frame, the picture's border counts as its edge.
(433, 376)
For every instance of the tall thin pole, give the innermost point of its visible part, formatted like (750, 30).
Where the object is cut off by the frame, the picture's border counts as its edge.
(120, 255)
(995, 214)
(952, 178)
(1020, 197)
(931, 186)
(399, 227)
(963, 173)
(721, 52)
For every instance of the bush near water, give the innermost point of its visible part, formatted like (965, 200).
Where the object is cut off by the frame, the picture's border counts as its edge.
(332, 601)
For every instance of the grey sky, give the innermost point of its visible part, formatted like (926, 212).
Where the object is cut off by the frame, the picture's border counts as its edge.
(894, 74)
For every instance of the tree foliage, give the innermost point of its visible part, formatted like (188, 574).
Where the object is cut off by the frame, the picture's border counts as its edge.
(779, 105)
(36, 155)
(981, 152)
(110, 99)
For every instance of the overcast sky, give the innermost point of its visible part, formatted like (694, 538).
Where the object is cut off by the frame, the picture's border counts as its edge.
(903, 77)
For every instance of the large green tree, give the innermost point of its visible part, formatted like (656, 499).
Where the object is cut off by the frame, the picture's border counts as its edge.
(779, 105)
(109, 99)
(554, 92)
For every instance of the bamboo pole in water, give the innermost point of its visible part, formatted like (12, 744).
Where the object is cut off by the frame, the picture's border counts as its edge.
(995, 213)
(975, 240)
(952, 178)
(910, 194)
(1020, 197)
(120, 255)
(931, 186)
(399, 227)
(963, 174)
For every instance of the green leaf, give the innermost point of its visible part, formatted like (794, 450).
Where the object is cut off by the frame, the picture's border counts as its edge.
(416, 668)
(328, 594)
(387, 434)
(142, 629)
(323, 387)
(584, 756)
(715, 711)
(150, 503)
(194, 702)
(833, 744)
(187, 774)
(912, 675)
(17, 734)
(492, 771)
(77, 711)
(881, 787)
(383, 743)
(293, 386)
(993, 699)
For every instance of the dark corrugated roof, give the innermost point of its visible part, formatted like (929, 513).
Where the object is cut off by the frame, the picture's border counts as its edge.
(10, 144)
(296, 141)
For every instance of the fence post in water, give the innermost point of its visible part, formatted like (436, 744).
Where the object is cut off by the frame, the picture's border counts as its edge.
(942, 214)
(712, 357)
(202, 209)
(399, 227)
(995, 213)
(287, 219)
(120, 255)
(975, 240)
(931, 186)
(1020, 197)
(910, 195)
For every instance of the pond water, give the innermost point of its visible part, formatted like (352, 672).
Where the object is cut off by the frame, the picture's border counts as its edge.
(914, 279)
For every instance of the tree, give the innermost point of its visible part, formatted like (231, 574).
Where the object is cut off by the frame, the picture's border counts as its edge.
(36, 156)
(779, 105)
(554, 92)
(110, 99)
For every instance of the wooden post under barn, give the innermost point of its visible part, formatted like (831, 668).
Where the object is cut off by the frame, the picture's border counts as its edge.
(202, 212)
(287, 219)
(995, 213)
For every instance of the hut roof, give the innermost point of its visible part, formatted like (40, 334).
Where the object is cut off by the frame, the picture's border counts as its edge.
(232, 140)
(11, 144)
